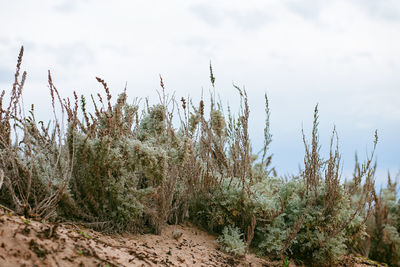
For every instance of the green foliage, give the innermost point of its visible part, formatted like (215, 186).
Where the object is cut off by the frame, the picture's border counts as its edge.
(231, 241)
(225, 206)
(153, 124)
(311, 218)
(317, 239)
(285, 262)
(126, 169)
(85, 235)
(279, 206)
(384, 226)
(115, 174)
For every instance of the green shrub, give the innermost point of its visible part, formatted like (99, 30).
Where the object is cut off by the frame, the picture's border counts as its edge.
(311, 218)
(112, 178)
(281, 206)
(115, 173)
(231, 241)
(384, 226)
(123, 169)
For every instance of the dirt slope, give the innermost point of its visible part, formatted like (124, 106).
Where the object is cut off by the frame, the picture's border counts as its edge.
(28, 243)
(31, 243)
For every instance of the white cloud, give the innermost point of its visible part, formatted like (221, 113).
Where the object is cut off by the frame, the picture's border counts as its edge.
(244, 19)
(385, 10)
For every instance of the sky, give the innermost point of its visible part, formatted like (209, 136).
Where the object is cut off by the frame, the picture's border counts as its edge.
(340, 54)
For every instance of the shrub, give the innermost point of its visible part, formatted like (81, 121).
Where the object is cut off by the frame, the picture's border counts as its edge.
(312, 217)
(125, 169)
(117, 167)
(330, 217)
(231, 241)
(35, 166)
(384, 226)
(286, 223)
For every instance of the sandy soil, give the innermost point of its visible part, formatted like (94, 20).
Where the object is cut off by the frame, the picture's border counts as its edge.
(26, 242)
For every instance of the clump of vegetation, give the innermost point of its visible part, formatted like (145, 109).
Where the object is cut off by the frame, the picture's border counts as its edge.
(115, 174)
(311, 217)
(127, 167)
(383, 226)
(35, 166)
(231, 241)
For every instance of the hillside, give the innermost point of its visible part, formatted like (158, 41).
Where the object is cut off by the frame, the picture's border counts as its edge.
(32, 243)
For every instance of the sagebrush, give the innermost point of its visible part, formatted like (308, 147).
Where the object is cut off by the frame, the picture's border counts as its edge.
(127, 167)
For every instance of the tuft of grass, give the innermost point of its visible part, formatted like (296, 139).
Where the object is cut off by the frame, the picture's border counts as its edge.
(25, 221)
(85, 235)
(285, 262)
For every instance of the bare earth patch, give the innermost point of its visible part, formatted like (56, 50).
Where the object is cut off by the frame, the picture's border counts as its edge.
(26, 242)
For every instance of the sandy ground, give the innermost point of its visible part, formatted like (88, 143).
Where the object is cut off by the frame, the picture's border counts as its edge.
(26, 242)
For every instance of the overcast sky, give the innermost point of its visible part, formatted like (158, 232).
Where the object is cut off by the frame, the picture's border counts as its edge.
(343, 55)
